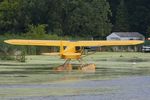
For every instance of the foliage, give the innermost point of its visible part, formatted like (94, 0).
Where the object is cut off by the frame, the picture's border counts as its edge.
(90, 18)
(73, 18)
(148, 32)
(21, 57)
(5, 52)
(121, 23)
(12, 16)
(36, 32)
(61, 17)
(138, 14)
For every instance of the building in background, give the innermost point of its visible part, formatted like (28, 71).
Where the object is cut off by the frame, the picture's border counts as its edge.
(126, 36)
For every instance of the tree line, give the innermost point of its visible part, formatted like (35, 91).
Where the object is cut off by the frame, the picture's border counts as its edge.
(131, 15)
(83, 18)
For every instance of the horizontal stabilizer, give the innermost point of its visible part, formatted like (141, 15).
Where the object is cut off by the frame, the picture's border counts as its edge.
(51, 54)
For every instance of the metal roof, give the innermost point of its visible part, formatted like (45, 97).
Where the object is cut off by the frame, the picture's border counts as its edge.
(128, 34)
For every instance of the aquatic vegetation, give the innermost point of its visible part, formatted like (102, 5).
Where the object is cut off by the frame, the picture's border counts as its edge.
(37, 77)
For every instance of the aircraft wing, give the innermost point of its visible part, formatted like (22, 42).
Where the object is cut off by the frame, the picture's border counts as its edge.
(35, 42)
(73, 43)
(108, 43)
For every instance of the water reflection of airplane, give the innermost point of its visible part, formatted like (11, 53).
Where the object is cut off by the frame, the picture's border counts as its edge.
(72, 49)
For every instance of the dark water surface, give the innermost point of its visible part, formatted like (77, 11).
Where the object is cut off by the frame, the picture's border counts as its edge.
(127, 88)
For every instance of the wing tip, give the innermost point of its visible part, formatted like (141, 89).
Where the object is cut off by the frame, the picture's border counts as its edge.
(7, 41)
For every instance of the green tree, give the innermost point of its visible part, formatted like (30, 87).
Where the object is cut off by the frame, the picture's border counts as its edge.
(148, 32)
(139, 15)
(62, 17)
(36, 32)
(121, 23)
(102, 14)
(12, 16)
(89, 18)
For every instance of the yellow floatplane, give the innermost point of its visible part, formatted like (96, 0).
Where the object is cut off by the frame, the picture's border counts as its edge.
(73, 49)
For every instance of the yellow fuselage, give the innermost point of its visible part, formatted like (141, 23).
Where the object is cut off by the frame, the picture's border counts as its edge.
(70, 52)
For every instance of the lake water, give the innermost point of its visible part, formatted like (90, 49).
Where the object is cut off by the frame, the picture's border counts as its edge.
(114, 79)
